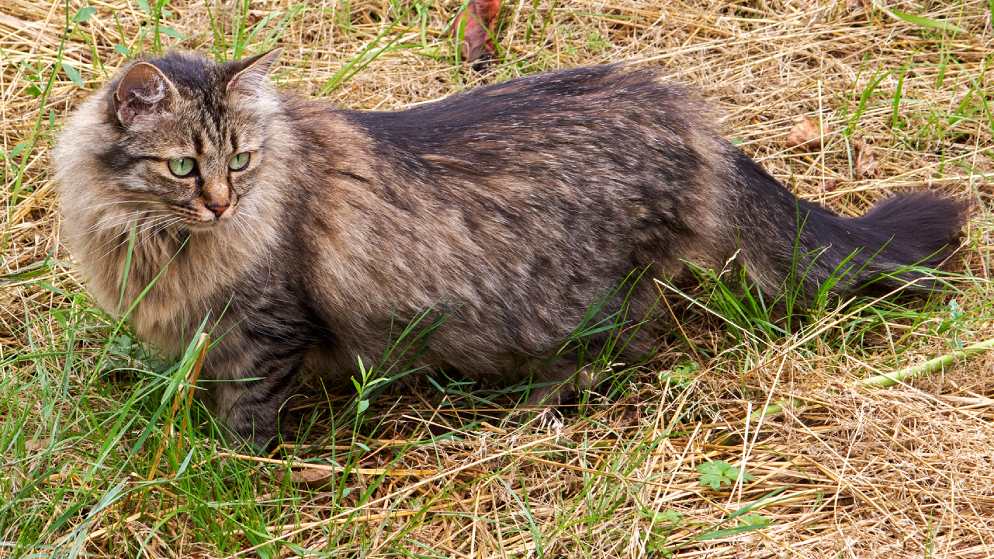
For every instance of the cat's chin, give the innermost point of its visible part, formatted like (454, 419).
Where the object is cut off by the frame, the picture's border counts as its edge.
(204, 226)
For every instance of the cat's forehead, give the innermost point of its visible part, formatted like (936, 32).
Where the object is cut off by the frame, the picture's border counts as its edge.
(193, 74)
(201, 85)
(202, 115)
(180, 134)
(205, 123)
(214, 126)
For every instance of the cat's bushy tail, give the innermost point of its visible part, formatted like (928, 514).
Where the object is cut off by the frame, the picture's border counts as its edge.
(784, 239)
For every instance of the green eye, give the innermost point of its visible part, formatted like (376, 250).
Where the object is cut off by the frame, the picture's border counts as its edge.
(239, 161)
(181, 166)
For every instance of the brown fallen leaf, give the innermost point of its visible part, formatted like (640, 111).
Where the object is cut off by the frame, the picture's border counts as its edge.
(478, 22)
(866, 164)
(35, 445)
(308, 477)
(805, 132)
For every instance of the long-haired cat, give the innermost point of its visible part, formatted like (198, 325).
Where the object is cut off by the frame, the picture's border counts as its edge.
(308, 233)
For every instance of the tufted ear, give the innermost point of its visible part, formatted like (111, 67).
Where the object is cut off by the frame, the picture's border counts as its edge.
(143, 91)
(250, 74)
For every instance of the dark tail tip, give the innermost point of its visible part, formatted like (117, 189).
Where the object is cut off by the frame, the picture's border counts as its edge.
(918, 224)
(915, 229)
(797, 241)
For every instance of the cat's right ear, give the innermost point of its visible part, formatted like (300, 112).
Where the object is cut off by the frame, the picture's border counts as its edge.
(144, 91)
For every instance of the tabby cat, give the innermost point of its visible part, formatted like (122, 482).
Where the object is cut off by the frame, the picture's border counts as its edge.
(307, 233)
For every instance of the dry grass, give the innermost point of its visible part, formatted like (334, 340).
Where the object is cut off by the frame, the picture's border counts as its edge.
(857, 472)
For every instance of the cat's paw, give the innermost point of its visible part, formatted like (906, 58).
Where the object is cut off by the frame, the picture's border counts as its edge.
(550, 420)
(552, 395)
(250, 440)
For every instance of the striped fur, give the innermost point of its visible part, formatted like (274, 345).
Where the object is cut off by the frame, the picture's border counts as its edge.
(508, 210)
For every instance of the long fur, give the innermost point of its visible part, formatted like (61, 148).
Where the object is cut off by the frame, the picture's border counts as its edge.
(508, 210)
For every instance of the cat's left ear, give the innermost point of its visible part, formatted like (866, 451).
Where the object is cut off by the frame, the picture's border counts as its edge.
(248, 75)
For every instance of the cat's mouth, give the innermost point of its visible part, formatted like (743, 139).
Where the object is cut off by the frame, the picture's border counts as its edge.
(201, 217)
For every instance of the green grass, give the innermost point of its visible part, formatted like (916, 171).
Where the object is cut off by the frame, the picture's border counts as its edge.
(141, 447)
(104, 454)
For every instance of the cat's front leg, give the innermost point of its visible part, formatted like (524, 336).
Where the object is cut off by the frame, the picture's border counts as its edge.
(559, 382)
(248, 399)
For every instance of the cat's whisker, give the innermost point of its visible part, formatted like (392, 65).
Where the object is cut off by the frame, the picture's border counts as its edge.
(112, 220)
(140, 239)
(125, 234)
(118, 203)
(242, 219)
(117, 243)
(107, 224)
(117, 221)
(163, 225)
(115, 230)
(122, 232)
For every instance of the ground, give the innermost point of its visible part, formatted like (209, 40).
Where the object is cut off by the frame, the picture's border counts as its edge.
(102, 453)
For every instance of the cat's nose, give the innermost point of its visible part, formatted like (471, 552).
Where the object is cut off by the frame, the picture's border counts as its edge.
(218, 208)
(217, 197)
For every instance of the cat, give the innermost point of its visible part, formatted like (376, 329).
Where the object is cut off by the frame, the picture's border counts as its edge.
(307, 233)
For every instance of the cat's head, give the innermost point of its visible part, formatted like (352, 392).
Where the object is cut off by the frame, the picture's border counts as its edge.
(180, 138)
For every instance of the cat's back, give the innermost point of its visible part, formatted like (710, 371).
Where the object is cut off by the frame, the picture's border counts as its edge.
(584, 102)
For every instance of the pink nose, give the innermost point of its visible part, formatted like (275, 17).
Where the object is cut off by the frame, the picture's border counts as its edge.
(218, 209)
